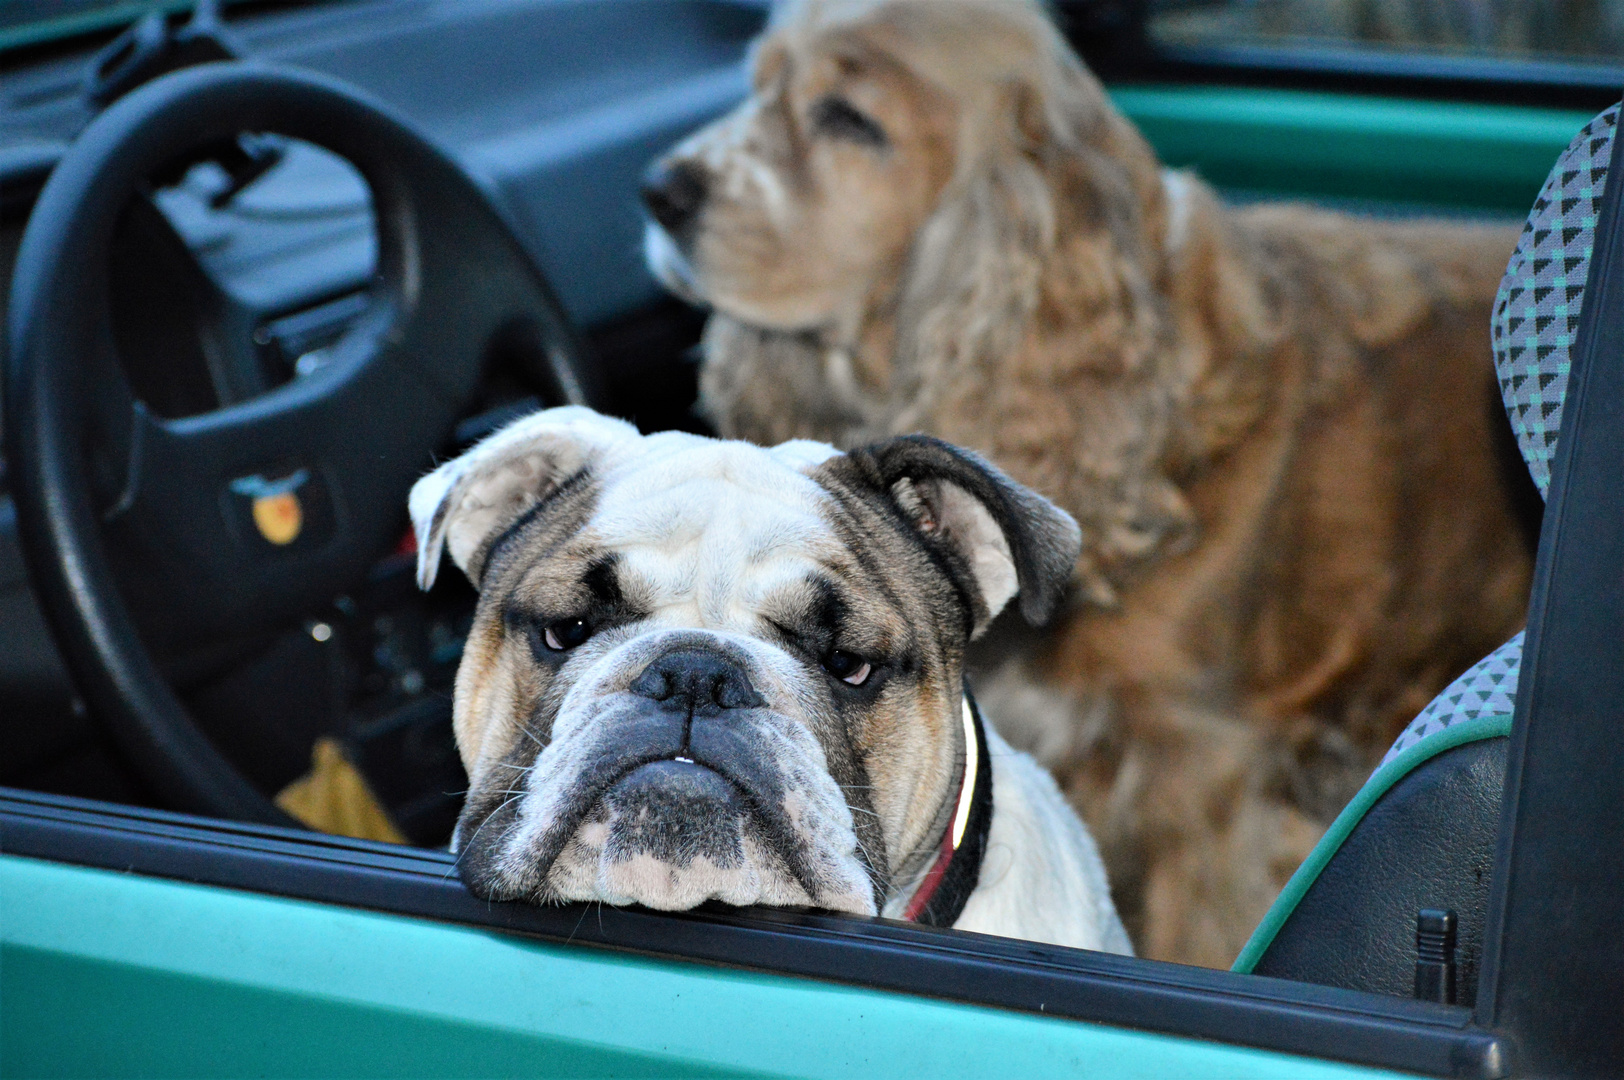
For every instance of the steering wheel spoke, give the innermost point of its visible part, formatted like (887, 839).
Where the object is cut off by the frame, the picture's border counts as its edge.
(245, 518)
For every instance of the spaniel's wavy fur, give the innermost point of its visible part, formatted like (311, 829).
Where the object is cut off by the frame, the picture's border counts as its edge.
(1276, 425)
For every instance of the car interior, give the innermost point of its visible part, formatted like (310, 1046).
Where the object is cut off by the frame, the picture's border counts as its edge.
(319, 246)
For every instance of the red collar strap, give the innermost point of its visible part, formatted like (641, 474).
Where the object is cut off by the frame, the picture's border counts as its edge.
(956, 869)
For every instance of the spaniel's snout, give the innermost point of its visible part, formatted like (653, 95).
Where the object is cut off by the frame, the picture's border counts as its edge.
(674, 192)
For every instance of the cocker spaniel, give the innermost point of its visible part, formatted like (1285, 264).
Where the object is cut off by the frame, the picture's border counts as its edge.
(1276, 425)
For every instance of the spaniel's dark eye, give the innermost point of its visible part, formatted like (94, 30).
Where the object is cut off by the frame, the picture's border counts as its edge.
(565, 634)
(848, 667)
(837, 118)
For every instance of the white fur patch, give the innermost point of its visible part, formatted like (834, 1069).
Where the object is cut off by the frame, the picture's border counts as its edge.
(1041, 878)
(714, 528)
(461, 502)
(1176, 189)
(803, 455)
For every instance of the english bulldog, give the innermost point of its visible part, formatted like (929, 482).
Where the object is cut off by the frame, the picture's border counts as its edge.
(704, 670)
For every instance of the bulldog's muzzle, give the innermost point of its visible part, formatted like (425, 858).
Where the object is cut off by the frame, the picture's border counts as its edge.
(674, 780)
(695, 770)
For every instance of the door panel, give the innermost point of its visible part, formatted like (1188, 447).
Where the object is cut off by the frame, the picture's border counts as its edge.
(120, 975)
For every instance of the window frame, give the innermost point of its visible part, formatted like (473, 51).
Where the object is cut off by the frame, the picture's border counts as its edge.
(1126, 992)
(1114, 38)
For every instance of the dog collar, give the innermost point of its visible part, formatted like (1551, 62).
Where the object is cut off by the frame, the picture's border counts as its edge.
(956, 869)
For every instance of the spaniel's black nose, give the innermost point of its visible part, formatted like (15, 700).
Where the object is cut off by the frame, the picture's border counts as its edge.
(674, 193)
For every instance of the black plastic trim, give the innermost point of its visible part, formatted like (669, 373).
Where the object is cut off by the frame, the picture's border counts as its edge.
(1553, 961)
(1170, 999)
(1113, 36)
(1591, 87)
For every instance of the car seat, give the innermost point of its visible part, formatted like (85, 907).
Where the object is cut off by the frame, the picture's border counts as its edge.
(1421, 834)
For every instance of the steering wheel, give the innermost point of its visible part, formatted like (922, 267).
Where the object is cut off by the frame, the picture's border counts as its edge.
(145, 535)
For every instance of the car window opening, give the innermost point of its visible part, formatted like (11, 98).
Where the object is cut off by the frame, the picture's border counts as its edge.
(251, 270)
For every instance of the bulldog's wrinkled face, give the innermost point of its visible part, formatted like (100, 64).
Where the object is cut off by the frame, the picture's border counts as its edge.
(704, 670)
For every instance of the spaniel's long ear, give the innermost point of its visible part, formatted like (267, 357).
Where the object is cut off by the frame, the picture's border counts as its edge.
(466, 503)
(999, 539)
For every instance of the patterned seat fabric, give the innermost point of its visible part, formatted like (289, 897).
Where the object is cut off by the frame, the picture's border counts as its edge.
(1488, 688)
(1536, 315)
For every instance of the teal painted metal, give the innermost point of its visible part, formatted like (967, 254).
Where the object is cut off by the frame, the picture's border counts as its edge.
(1450, 155)
(112, 975)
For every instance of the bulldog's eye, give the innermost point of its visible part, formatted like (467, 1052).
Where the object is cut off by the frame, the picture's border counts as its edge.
(565, 634)
(837, 118)
(848, 667)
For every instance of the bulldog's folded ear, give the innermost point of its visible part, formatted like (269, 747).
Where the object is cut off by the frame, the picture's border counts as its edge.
(1005, 538)
(466, 503)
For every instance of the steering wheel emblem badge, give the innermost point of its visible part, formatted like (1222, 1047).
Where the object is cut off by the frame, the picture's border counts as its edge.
(278, 513)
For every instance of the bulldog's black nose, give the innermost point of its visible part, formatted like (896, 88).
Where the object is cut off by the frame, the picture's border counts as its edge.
(674, 193)
(696, 681)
